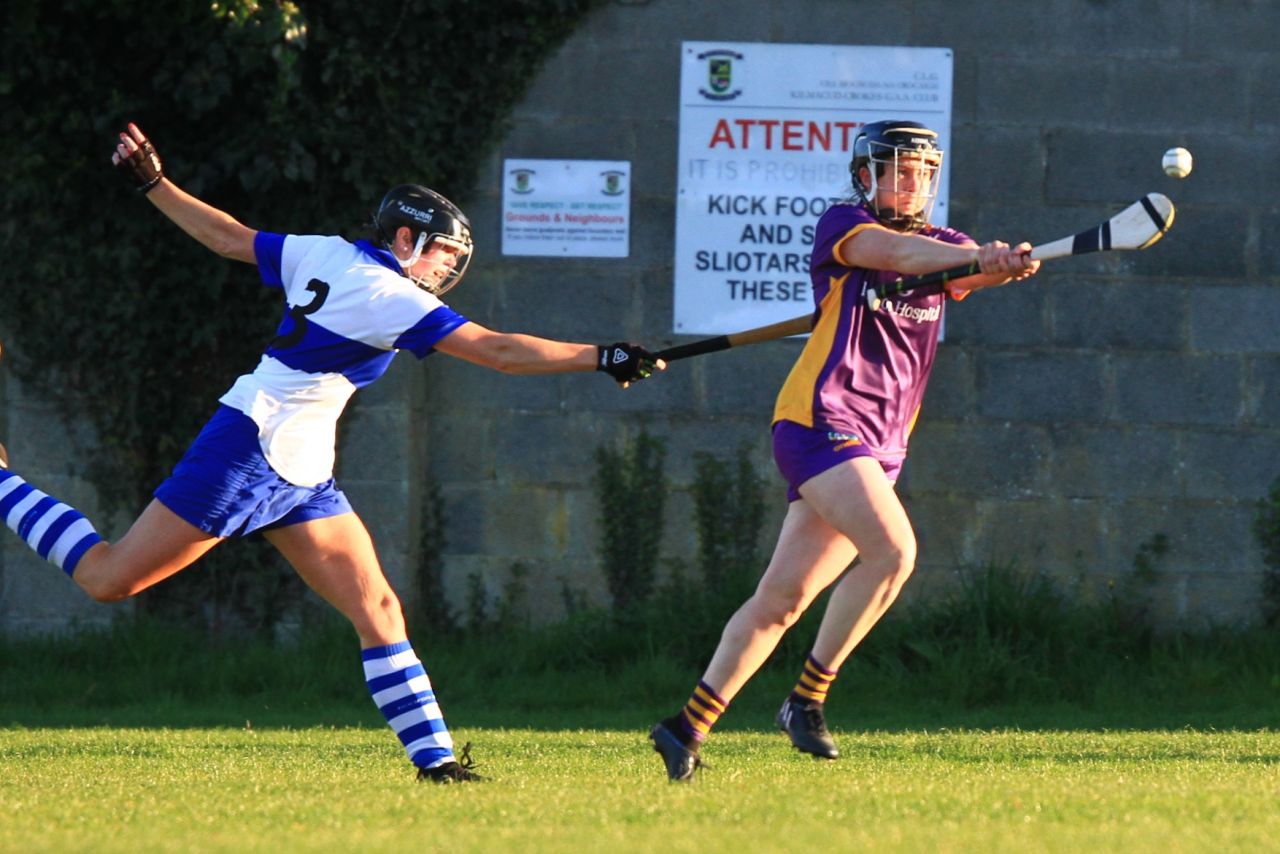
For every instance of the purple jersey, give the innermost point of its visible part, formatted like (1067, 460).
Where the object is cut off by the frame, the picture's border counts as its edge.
(862, 372)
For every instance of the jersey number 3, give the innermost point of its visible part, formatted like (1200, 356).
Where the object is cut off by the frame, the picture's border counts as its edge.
(299, 315)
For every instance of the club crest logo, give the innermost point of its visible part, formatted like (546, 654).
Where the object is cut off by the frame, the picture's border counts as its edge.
(720, 75)
(613, 183)
(523, 181)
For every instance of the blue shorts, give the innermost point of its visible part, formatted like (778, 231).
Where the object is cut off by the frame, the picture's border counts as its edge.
(225, 487)
(804, 452)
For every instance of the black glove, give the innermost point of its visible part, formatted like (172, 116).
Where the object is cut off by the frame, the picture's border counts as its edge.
(626, 363)
(143, 167)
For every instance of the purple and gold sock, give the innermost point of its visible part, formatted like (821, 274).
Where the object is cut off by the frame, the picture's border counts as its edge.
(815, 681)
(700, 714)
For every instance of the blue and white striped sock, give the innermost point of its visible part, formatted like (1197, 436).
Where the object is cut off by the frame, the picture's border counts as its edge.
(402, 692)
(58, 533)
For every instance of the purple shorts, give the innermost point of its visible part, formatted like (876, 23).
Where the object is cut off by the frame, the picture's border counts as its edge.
(225, 487)
(803, 452)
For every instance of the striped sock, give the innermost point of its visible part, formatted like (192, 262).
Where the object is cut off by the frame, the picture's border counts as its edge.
(700, 714)
(402, 692)
(58, 533)
(815, 681)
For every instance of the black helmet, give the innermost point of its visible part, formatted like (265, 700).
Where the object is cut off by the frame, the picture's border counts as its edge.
(430, 217)
(882, 144)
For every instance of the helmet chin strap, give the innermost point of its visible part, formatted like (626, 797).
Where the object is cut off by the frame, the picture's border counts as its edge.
(417, 253)
(420, 281)
(873, 196)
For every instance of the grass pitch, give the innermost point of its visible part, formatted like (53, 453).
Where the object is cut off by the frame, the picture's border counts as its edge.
(324, 789)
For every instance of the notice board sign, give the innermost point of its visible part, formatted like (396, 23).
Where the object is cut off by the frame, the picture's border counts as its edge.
(566, 208)
(766, 134)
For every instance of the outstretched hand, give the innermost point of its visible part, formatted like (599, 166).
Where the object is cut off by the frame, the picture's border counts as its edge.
(136, 157)
(627, 363)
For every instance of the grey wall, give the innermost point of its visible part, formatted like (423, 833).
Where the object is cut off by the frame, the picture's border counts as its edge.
(1069, 419)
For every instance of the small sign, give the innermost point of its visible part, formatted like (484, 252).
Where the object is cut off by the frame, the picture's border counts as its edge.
(566, 208)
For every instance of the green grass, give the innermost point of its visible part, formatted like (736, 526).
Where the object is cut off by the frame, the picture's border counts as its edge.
(1004, 721)
(350, 789)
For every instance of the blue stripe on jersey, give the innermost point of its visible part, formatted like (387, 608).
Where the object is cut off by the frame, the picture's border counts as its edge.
(268, 249)
(420, 339)
(321, 351)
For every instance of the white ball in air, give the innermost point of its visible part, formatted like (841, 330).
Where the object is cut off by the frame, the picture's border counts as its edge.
(1177, 163)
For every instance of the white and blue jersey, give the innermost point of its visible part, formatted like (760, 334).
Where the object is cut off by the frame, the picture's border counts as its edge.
(349, 311)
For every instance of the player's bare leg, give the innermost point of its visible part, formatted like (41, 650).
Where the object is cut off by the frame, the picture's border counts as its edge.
(856, 498)
(810, 554)
(157, 545)
(850, 503)
(857, 603)
(858, 600)
(335, 556)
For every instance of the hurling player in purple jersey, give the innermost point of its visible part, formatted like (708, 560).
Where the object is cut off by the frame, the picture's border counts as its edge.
(840, 431)
(264, 461)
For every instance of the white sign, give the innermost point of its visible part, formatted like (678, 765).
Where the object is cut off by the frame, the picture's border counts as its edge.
(568, 208)
(766, 134)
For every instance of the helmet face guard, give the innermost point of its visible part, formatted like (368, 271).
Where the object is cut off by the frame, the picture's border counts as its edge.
(902, 160)
(433, 221)
(423, 245)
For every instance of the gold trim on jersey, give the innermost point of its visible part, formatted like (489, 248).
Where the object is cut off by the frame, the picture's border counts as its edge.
(915, 416)
(795, 400)
(848, 235)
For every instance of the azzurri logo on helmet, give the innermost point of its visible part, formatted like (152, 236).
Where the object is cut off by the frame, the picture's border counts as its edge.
(432, 220)
(893, 152)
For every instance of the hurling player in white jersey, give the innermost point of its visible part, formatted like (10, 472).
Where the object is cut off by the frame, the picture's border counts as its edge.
(264, 461)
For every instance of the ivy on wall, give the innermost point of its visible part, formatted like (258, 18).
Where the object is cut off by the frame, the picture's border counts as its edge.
(291, 116)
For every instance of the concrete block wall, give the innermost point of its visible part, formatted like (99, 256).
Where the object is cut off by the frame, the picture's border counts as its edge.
(1069, 420)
